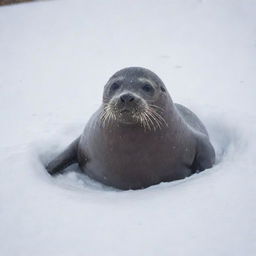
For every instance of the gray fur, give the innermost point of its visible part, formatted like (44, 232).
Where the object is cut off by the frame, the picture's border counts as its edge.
(140, 140)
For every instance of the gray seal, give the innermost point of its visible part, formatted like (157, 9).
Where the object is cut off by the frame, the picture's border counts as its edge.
(138, 137)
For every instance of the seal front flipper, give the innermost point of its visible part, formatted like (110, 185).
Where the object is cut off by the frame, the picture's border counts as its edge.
(63, 160)
(205, 155)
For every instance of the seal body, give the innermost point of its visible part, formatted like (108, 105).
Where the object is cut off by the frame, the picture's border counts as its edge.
(139, 137)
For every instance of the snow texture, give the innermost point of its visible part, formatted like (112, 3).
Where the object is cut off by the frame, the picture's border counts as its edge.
(56, 56)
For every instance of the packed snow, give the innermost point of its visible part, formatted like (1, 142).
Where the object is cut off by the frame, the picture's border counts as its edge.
(56, 56)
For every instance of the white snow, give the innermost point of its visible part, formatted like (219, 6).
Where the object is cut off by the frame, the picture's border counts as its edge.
(56, 56)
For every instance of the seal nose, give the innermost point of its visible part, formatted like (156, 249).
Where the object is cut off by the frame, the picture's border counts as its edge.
(127, 97)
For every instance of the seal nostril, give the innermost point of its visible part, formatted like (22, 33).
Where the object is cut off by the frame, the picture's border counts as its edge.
(125, 98)
(131, 99)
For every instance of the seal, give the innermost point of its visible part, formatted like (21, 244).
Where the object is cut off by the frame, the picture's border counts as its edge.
(138, 137)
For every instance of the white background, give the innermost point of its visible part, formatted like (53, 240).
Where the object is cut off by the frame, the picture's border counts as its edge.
(56, 56)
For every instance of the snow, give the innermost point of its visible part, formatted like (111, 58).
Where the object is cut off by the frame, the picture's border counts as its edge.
(56, 57)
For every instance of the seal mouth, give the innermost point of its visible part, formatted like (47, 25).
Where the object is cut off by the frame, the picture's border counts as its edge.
(125, 111)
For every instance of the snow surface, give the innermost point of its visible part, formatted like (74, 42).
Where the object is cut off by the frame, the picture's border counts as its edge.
(56, 56)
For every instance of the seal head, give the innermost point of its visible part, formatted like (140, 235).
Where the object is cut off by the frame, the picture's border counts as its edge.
(132, 96)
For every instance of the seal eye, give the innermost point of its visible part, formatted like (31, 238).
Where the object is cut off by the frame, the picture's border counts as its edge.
(115, 86)
(147, 88)
(162, 89)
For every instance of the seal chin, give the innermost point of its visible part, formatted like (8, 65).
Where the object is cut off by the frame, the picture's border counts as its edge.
(128, 116)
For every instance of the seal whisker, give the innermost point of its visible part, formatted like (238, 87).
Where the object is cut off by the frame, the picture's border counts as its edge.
(151, 120)
(159, 117)
(107, 115)
(141, 119)
(150, 113)
(145, 118)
